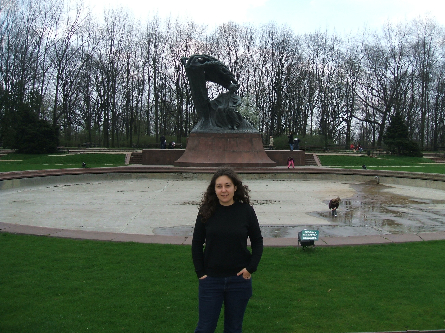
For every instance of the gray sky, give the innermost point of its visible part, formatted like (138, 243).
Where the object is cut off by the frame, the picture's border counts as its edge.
(341, 16)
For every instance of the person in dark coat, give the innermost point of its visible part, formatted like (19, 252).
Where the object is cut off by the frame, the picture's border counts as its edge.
(163, 142)
(297, 144)
(223, 262)
(291, 141)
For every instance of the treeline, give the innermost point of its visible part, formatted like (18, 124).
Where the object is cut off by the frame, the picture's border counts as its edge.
(115, 81)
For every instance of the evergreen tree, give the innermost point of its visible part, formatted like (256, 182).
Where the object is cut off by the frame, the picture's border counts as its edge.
(396, 138)
(23, 130)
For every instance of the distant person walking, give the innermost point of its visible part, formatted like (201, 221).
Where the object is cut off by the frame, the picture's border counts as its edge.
(163, 142)
(297, 144)
(291, 141)
(271, 142)
(222, 261)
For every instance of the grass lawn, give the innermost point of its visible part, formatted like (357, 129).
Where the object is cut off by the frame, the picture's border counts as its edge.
(63, 285)
(395, 163)
(21, 162)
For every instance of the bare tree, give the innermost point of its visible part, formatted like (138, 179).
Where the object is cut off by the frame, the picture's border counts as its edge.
(426, 59)
(384, 82)
(116, 80)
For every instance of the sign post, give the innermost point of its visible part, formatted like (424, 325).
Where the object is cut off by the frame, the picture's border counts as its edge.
(307, 237)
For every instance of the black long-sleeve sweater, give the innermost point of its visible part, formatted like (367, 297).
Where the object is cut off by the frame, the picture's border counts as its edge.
(219, 246)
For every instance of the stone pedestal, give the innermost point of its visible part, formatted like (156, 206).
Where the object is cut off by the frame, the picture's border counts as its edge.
(231, 149)
(160, 156)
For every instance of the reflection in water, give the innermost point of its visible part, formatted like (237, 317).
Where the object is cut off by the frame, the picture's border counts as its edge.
(374, 208)
(371, 211)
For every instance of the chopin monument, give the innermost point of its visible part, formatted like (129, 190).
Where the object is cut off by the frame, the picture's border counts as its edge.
(222, 136)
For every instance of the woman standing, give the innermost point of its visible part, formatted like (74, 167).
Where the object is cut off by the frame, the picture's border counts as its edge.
(222, 261)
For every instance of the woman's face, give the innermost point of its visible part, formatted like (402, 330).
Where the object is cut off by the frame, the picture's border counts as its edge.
(225, 190)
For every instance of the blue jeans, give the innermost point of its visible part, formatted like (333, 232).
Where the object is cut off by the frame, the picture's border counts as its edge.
(234, 292)
(291, 146)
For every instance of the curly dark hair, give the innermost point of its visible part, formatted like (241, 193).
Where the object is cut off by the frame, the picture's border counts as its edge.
(210, 201)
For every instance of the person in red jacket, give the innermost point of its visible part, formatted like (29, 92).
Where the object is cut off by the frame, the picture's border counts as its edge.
(223, 263)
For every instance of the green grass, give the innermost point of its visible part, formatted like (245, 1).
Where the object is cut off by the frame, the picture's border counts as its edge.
(63, 285)
(21, 162)
(395, 163)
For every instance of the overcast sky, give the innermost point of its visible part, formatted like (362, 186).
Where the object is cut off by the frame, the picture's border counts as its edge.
(341, 16)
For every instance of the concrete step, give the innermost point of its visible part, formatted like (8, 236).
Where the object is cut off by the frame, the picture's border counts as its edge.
(310, 160)
(136, 158)
(436, 159)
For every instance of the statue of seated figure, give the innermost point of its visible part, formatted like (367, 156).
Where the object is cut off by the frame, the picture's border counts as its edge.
(220, 114)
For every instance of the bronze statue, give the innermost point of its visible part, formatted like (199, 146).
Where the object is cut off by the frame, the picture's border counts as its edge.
(220, 114)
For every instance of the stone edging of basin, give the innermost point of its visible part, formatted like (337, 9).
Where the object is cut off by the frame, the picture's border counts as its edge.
(381, 174)
(436, 181)
(245, 170)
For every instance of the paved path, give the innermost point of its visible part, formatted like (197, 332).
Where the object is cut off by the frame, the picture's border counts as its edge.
(179, 240)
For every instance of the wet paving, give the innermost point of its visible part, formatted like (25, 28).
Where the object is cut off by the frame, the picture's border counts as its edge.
(373, 210)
